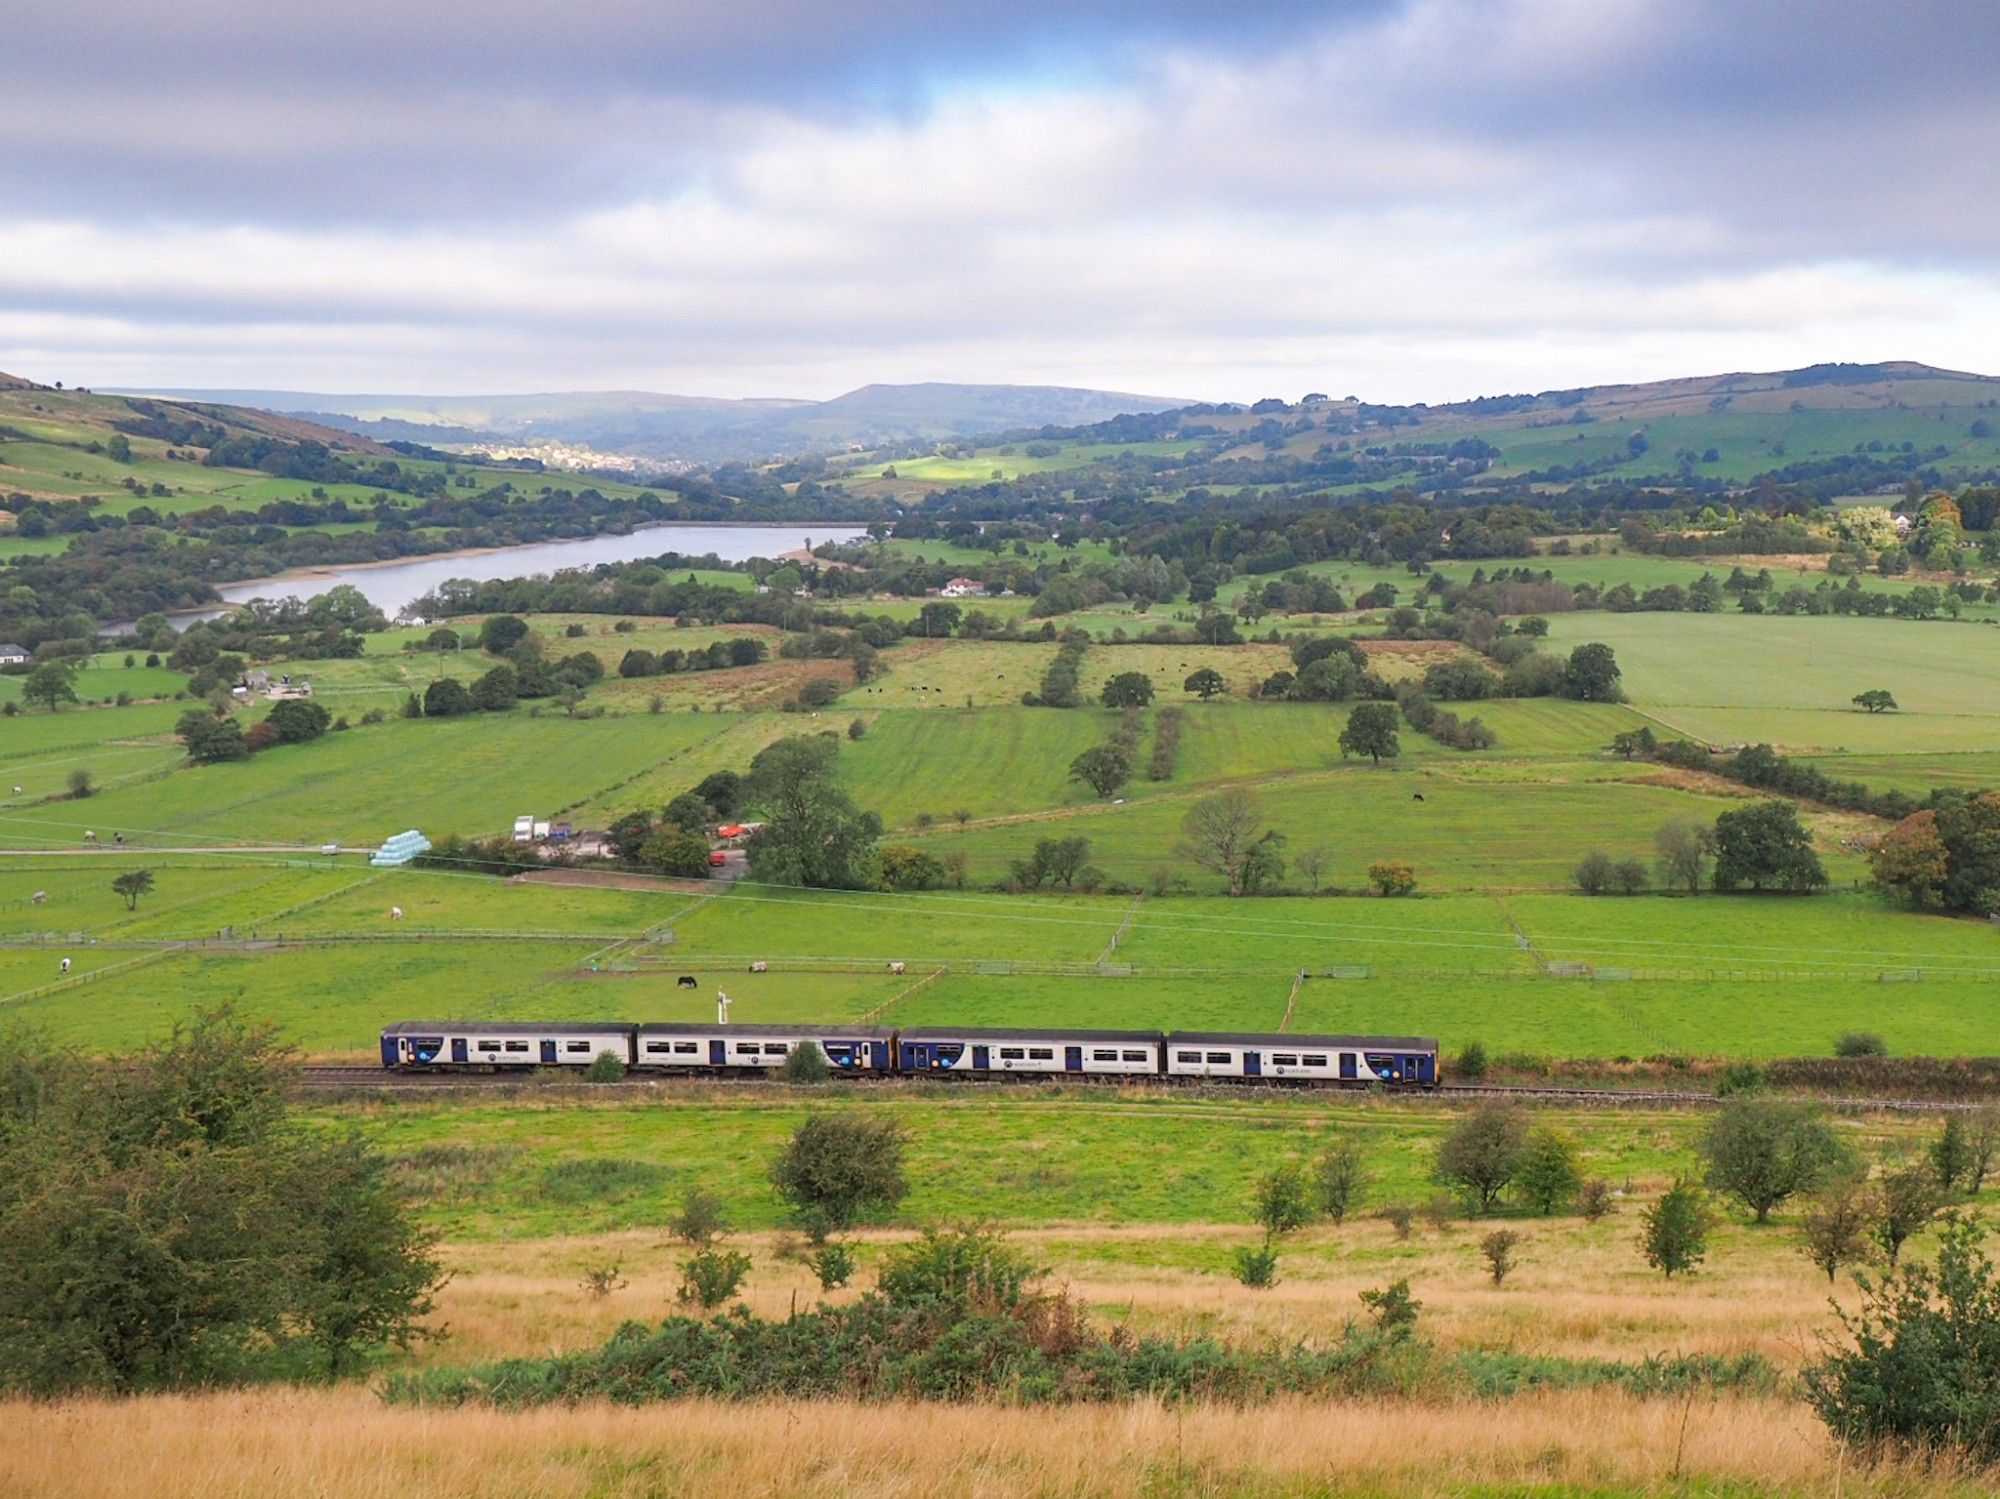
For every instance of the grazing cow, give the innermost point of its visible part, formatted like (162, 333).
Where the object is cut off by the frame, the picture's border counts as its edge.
(395, 913)
(89, 837)
(1416, 796)
(685, 981)
(65, 965)
(38, 897)
(760, 966)
(896, 968)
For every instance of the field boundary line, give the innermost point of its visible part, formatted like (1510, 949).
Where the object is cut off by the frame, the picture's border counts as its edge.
(1292, 1001)
(897, 998)
(1131, 915)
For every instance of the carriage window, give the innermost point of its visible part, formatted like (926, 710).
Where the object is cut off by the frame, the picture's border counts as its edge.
(1011, 1053)
(1040, 1054)
(1219, 1056)
(683, 1048)
(489, 1045)
(1137, 1056)
(517, 1046)
(1187, 1056)
(776, 1049)
(1315, 1061)
(1104, 1056)
(1284, 1059)
(656, 1046)
(577, 1046)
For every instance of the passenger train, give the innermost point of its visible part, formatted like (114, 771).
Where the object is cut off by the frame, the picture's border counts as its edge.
(924, 1051)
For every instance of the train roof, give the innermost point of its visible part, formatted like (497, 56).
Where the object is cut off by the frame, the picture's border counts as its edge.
(1287, 1039)
(1059, 1036)
(510, 1027)
(803, 1028)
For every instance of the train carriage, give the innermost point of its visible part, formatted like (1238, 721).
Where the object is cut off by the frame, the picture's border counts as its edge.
(857, 1050)
(959, 1051)
(419, 1045)
(1354, 1060)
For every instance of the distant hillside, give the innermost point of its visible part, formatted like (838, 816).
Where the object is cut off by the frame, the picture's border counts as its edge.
(695, 427)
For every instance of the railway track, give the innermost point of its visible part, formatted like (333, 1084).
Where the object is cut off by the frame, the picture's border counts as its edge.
(332, 1077)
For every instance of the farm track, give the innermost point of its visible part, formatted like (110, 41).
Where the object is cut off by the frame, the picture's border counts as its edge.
(334, 1076)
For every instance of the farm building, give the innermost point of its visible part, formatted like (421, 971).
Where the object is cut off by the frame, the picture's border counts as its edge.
(964, 588)
(12, 655)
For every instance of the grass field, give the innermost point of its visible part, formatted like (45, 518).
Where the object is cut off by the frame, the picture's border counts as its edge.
(1731, 678)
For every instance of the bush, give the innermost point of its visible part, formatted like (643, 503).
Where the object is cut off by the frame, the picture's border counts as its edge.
(804, 1063)
(1471, 1063)
(838, 1168)
(1399, 1216)
(1674, 1236)
(605, 1067)
(1923, 1373)
(701, 1219)
(1481, 1153)
(819, 692)
(1497, 1249)
(712, 1276)
(1739, 1078)
(1393, 1308)
(1256, 1265)
(1594, 874)
(1594, 1199)
(833, 1264)
(1860, 1044)
(1763, 1152)
(1392, 877)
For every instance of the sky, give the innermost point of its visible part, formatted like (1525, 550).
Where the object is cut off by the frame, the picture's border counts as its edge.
(1399, 199)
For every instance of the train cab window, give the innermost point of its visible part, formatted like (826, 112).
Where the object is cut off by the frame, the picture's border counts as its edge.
(1284, 1059)
(1104, 1056)
(1187, 1056)
(577, 1046)
(1011, 1054)
(1041, 1054)
(1136, 1056)
(686, 1048)
(489, 1045)
(517, 1046)
(1315, 1061)
(1219, 1056)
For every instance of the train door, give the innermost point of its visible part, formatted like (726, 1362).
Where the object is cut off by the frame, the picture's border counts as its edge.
(718, 1053)
(1253, 1064)
(458, 1053)
(981, 1058)
(549, 1057)
(881, 1051)
(1072, 1059)
(1348, 1071)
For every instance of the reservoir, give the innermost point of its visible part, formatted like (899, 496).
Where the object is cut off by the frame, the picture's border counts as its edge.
(392, 586)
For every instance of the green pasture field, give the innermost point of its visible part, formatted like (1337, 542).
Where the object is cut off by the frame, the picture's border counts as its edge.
(1966, 770)
(101, 678)
(467, 775)
(1464, 834)
(1790, 679)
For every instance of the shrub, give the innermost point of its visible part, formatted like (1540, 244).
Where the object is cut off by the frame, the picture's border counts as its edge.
(701, 1219)
(819, 692)
(605, 1067)
(964, 1267)
(1340, 1179)
(1546, 1173)
(838, 1168)
(1497, 1248)
(1284, 1200)
(711, 1276)
(1392, 877)
(1594, 874)
(856, 729)
(1763, 1152)
(1256, 1265)
(1471, 1063)
(82, 784)
(1739, 1078)
(833, 1264)
(1594, 1199)
(1393, 1308)
(805, 1063)
(1860, 1044)
(600, 1281)
(1399, 1216)
(1923, 1373)
(1674, 1235)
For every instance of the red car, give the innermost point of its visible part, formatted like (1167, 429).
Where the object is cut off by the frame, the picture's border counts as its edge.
(717, 858)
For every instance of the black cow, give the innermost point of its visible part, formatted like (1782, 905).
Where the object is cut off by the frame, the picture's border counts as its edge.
(686, 981)
(1416, 796)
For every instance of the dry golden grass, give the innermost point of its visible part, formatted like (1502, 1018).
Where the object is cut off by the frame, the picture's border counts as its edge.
(1581, 1290)
(344, 1444)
